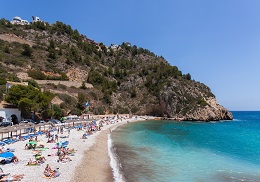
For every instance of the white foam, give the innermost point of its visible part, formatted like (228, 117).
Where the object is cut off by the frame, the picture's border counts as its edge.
(114, 163)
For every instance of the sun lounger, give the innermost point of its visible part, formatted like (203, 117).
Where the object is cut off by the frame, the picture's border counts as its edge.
(9, 141)
(8, 150)
(26, 137)
(33, 135)
(40, 133)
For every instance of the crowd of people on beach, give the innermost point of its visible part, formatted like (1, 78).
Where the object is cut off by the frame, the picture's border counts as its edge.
(56, 136)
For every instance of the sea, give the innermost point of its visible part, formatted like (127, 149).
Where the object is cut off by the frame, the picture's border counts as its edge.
(172, 151)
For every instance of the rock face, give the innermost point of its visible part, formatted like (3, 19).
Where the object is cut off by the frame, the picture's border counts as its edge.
(192, 101)
(209, 113)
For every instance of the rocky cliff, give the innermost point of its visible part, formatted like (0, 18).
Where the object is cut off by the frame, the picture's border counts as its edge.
(192, 101)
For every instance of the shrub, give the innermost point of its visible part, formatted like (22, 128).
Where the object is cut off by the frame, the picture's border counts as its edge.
(33, 83)
(37, 74)
(94, 95)
(27, 50)
(61, 86)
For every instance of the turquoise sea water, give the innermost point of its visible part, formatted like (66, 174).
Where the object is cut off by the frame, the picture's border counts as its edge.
(190, 151)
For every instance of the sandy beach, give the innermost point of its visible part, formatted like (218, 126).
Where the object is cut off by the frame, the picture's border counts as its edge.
(95, 165)
(91, 161)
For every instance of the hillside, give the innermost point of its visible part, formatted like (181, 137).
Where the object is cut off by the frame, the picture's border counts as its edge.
(115, 79)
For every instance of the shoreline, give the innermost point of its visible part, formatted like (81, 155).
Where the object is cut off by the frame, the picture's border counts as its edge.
(96, 162)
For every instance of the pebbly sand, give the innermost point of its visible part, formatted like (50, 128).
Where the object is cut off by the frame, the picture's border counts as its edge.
(90, 163)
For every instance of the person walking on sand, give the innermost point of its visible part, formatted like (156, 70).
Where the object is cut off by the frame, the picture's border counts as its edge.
(56, 138)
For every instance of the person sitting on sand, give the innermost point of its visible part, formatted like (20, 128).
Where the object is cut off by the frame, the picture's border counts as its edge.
(63, 158)
(84, 136)
(32, 163)
(50, 140)
(48, 172)
(56, 138)
(16, 177)
(20, 137)
(15, 159)
(70, 151)
(89, 132)
(40, 159)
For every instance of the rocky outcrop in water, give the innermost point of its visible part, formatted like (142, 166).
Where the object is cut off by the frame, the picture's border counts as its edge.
(192, 101)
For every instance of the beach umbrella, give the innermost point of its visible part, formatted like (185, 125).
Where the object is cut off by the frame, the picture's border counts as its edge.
(49, 123)
(2, 131)
(40, 125)
(9, 129)
(31, 125)
(26, 126)
(23, 127)
(22, 124)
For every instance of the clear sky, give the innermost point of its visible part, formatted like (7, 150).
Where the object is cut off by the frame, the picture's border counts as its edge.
(216, 41)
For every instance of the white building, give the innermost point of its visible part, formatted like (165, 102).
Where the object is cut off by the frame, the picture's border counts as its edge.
(10, 115)
(18, 21)
(36, 19)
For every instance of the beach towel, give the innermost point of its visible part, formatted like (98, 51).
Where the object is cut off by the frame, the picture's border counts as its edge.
(32, 165)
(41, 149)
(32, 143)
(46, 177)
(6, 154)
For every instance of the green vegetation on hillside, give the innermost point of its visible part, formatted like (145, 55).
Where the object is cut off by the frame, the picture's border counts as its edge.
(126, 79)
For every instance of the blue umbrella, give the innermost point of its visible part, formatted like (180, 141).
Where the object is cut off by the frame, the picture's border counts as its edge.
(6, 154)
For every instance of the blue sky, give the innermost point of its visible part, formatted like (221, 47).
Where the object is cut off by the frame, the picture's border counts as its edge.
(216, 41)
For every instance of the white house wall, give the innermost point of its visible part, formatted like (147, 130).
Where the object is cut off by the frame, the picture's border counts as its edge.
(7, 112)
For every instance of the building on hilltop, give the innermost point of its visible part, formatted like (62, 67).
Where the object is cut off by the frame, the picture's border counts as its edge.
(19, 21)
(36, 19)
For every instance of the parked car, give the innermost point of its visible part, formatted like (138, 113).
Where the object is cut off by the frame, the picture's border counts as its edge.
(29, 121)
(24, 121)
(5, 123)
(41, 121)
(55, 121)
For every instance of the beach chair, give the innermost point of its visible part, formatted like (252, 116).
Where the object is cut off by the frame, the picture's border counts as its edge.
(40, 133)
(33, 135)
(63, 144)
(26, 137)
(9, 141)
